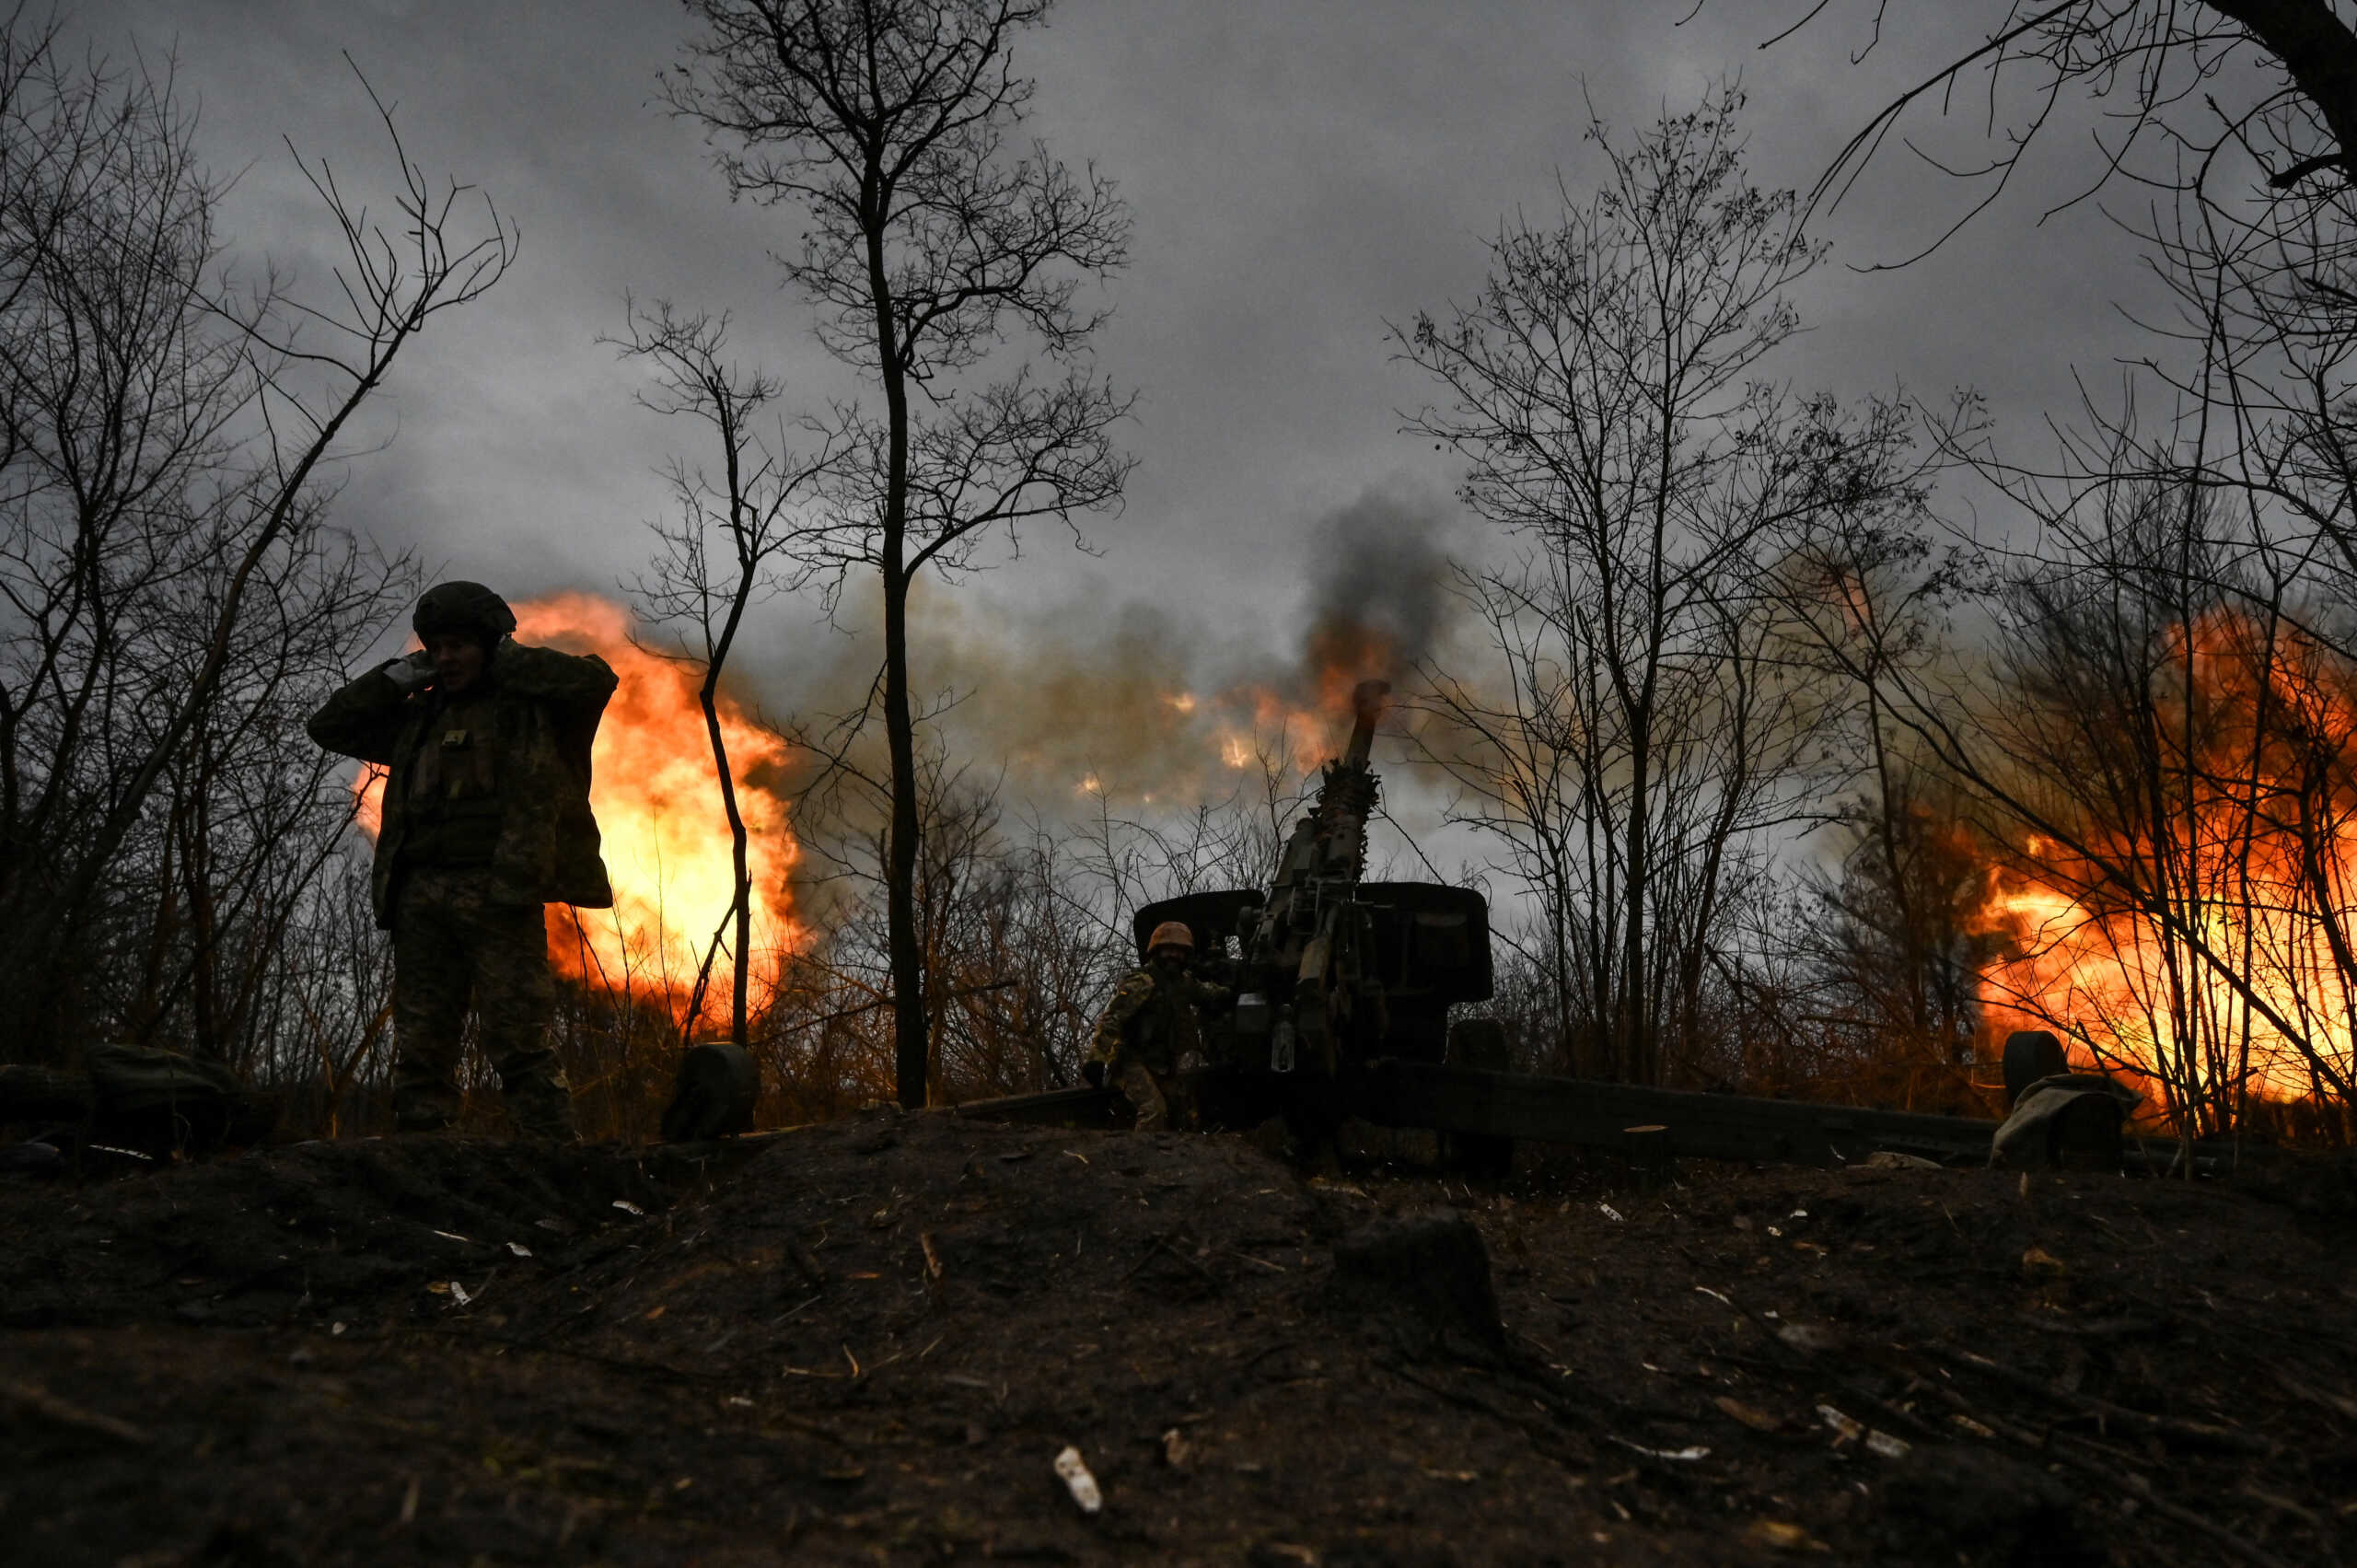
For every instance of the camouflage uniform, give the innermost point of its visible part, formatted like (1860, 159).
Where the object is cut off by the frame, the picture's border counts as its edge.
(544, 707)
(1146, 1033)
(454, 938)
(486, 819)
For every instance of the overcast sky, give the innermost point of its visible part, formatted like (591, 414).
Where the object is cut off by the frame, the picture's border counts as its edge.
(1300, 174)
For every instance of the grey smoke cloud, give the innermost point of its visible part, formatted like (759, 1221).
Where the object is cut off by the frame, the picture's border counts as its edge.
(1380, 603)
(1173, 697)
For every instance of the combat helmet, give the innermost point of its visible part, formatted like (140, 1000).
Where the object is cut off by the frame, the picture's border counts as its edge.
(462, 607)
(1170, 934)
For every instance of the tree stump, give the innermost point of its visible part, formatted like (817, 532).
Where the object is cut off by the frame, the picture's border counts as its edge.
(1424, 1278)
(1651, 1159)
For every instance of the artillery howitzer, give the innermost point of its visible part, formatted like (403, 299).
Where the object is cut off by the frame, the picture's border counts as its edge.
(1333, 977)
(1330, 973)
(1342, 994)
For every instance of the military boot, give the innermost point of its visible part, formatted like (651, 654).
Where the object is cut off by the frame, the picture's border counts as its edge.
(424, 1106)
(541, 1106)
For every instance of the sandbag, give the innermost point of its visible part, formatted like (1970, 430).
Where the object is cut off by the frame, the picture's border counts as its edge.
(161, 1100)
(2067, 1120)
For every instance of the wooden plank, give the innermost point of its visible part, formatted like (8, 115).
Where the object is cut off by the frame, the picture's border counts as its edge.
(1054, 1108)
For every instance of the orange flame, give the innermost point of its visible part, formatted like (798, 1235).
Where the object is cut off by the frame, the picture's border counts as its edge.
(2218, 946)
(664, 835)
(1309, 720)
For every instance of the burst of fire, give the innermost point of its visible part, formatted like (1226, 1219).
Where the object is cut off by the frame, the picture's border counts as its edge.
(1307, 723)
(2160, 1001)
(665, 835)
(2239, 949)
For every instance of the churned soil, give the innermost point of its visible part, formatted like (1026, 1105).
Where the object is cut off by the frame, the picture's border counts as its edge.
(871, 1341)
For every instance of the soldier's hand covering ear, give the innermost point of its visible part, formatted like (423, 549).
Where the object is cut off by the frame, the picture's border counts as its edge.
(410, 674)
(1095, 1073)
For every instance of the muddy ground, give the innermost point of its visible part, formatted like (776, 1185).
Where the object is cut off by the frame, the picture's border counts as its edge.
(869, 1342)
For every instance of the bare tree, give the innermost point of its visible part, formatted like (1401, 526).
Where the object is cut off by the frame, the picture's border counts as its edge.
(2198, 754)
(1027, 926)
(329, 1037)
(930, 243)
(700, 601)
(1121, 857)
(2232, 121)
(2162, 69)
(2157, 768)
(1897, 939)
(1649, 730)
(1889, 942)
(162, 437)
(2184, 569)
(250, 814)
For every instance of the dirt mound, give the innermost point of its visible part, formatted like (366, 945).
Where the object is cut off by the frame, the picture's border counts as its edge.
(1425, 1277)
(313, 1229)
(871, 1341)
(849, 1247)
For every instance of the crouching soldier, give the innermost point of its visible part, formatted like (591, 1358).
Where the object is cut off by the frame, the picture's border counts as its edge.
(485, 819)
(1150, 1027)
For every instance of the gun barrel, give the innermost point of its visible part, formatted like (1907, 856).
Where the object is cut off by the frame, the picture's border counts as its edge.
(1367, 705)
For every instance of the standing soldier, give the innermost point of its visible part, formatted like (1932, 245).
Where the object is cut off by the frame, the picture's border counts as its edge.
(1149, 1029)
(486, 819)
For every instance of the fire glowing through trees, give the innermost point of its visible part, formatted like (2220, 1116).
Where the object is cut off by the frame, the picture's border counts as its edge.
(2203, 930)
(2199, 1010)
(665, 835)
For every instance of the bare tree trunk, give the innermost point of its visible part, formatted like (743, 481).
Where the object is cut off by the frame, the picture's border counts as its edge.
(761, 481)
(740, 906)
(928, 241)
(911, 1049)
(912, 1042)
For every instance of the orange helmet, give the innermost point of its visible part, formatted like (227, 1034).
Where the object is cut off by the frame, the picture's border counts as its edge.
(1170, 934)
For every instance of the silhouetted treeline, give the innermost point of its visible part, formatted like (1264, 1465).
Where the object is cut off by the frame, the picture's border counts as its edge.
(173, 597)
(1785, 781)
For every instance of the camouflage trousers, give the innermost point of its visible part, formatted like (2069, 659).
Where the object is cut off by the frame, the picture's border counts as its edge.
(454, 942)
(1162, 1101)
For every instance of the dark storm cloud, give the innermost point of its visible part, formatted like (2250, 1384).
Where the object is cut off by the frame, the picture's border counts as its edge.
(516, 452)
(1300, 174)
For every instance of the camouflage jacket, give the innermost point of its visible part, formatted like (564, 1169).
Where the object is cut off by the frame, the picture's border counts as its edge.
(545, 705)
(1151, 1017)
